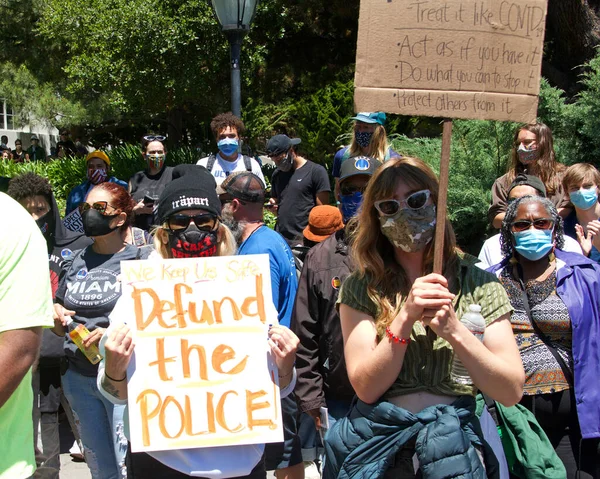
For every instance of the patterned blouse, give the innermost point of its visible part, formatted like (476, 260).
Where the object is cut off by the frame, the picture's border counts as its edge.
(542, 370)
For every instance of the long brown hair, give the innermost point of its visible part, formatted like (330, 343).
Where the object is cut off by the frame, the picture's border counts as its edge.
(548, 169)
(373, 253)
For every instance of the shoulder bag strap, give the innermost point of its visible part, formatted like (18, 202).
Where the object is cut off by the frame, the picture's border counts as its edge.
(561, 362)
(247, 163)
(211, 162)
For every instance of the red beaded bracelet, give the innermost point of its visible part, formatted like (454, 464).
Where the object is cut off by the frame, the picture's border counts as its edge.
(395, 338)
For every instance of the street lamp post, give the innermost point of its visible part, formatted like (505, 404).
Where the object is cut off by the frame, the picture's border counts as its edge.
(235, 17)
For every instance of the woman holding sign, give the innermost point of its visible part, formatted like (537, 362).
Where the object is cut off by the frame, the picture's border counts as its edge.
(189, 216)
(87, 294)
(532, 153)
(402, 332)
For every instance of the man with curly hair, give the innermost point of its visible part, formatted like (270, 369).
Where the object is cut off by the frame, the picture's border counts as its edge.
(227, 128)
(34, 193)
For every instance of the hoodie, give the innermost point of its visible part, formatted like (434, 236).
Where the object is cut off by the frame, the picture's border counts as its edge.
(62, 245)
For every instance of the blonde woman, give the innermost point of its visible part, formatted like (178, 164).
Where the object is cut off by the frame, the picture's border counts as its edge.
(401, 328)
(533, 154)
(368, 139)
(190, 226)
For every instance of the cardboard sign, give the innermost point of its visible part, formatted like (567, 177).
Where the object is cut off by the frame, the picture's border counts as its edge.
(201, 375)
(452, 59)
(73, 221)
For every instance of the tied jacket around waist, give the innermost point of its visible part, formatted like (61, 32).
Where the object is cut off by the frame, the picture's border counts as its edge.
(363, 444)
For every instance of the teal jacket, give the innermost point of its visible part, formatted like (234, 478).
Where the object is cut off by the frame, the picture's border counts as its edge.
(364, 443)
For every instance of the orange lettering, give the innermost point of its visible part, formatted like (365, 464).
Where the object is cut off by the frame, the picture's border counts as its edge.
(223, 353)
(221, 413)
(163, 416)
(235, 311)
(185, 358)
(178, 304)
(251, 407)
(258, 299)
(161, 361)
(145, 416)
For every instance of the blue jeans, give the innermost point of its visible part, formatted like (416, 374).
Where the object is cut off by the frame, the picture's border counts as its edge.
(100, 425)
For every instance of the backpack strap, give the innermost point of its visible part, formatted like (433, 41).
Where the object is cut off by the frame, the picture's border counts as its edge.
(211, 162)
(247, 163)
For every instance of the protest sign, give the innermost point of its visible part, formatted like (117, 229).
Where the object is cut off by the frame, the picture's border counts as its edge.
(200, 376)
(451, 59)
(73, 221)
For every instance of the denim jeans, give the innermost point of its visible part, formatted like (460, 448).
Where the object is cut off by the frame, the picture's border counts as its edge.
(100, 424)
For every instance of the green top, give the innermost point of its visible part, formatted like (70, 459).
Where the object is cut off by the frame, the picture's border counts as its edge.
(25, 302)
(427, 363)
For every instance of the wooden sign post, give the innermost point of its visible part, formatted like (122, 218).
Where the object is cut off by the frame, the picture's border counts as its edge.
(450, 59)
(201, 375)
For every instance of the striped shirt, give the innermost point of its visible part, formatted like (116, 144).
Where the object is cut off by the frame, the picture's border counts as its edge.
(427, 363)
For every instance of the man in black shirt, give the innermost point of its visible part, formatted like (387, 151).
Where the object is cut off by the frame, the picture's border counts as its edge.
(297, 185)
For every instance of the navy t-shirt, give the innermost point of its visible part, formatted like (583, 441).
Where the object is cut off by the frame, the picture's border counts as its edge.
(284, 281)
(339, 158)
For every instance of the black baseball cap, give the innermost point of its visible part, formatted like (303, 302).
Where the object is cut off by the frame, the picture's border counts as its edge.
(358, 165)
(280, 144)
(528, 180)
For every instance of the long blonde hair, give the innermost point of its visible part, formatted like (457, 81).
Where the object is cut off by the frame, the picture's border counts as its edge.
(226, 245)
(378, 147)
(549, 170)
(373, 253)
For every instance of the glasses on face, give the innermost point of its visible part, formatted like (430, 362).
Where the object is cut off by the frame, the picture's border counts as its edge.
(155, 138)
(204, 222)
(414, 202)
(351, 189)
(99, 206)
(538, 224)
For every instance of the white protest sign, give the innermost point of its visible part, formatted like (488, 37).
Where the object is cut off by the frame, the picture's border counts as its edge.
(476, 59)
(200, 376)
(73, 221)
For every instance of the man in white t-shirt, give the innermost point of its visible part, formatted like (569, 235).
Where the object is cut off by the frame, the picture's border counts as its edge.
(227, 129)
(491, 252)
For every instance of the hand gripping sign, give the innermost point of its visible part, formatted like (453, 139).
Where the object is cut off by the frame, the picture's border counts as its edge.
(201, 375)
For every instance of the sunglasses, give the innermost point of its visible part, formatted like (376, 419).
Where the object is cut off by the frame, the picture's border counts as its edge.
(204, 222)
(155, 138)
(539, 224)
(99, 206)
(351, 189)
(414, 202)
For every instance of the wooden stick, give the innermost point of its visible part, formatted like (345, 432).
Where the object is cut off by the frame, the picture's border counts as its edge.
(438, 254)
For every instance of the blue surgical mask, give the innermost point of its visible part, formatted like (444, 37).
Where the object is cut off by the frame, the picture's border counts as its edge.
(584, 199)
(350, 204)
(228, 146)
(533, 244)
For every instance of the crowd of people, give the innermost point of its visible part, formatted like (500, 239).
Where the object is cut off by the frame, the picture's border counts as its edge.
(382, 369)
(65, 147)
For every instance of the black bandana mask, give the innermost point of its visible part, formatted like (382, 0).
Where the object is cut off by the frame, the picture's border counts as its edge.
(193, 243)
(97, 224)
(46, 224)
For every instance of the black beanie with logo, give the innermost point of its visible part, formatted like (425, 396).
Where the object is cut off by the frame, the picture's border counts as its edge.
(193, 187)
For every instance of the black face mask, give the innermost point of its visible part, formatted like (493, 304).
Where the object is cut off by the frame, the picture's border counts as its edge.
(46, 224)
(96, 224)
(193, 243)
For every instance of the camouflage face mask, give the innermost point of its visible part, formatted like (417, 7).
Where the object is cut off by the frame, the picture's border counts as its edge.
(410, 230)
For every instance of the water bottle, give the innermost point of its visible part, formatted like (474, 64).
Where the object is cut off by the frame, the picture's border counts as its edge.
(475, 323)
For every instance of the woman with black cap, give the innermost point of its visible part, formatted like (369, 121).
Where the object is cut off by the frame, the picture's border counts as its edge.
(190, 226)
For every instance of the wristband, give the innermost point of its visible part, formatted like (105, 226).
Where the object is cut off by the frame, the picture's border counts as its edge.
(394, 338)
(113, 379)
